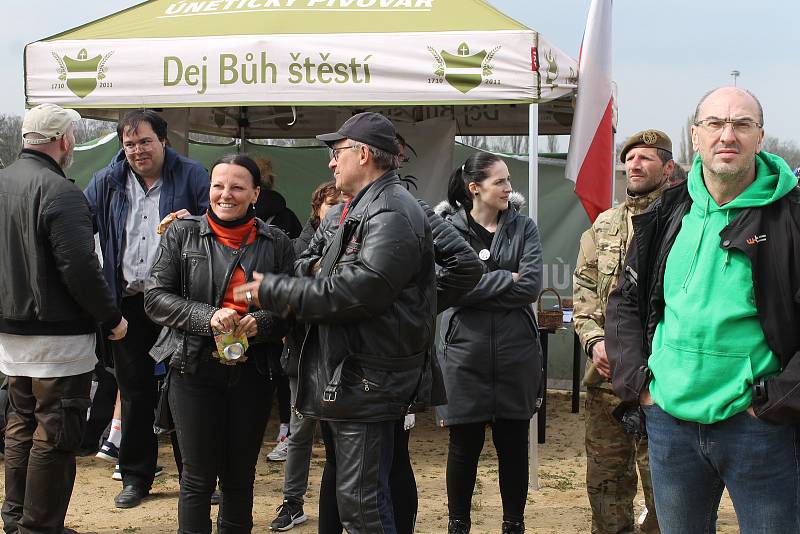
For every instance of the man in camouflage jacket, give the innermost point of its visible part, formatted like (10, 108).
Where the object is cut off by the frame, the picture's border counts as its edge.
(612, 453)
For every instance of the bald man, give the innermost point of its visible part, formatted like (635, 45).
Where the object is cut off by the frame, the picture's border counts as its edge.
(702, 329)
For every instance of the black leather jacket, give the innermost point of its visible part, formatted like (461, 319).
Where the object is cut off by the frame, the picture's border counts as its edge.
(51, 281)
(636, 306)
(191, 262)
(370, 311)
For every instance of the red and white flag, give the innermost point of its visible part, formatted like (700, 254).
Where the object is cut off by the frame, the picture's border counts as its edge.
(591, 143)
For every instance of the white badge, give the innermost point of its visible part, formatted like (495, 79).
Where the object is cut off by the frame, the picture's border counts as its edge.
(484, 254)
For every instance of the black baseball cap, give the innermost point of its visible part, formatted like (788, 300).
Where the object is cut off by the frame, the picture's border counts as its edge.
(370, 128)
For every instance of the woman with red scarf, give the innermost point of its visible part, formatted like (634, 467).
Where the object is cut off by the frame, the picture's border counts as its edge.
(218, 393)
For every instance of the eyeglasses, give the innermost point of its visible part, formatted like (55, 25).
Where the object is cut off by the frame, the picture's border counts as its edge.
(144, 145)
(740, 126)
(334, 152)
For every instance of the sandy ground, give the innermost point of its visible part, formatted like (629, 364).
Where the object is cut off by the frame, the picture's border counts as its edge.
(560, 506)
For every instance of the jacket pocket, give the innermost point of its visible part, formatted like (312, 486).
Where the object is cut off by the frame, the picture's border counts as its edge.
(73, 423)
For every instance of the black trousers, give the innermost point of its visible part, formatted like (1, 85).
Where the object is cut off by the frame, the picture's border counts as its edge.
(220, 414)
(46, 420)
(138, 390)
(102, 409)
(510, 439)
(398, 476)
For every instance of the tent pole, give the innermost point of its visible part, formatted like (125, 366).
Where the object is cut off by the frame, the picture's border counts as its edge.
(533, 213)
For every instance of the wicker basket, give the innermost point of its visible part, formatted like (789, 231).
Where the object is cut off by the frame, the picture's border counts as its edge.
(550, 319)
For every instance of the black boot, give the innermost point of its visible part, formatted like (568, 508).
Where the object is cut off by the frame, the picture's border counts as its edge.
(458, 526)
(513, 527)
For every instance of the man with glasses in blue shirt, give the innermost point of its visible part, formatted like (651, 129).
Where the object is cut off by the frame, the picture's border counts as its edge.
(145, 182)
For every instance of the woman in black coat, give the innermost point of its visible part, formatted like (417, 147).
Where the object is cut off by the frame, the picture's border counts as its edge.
(489, 347)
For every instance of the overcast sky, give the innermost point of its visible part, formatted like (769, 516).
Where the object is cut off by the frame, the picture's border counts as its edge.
(666, 53)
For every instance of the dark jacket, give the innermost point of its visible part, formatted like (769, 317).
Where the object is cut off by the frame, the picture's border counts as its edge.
(637, 305)
(301, 242)
(488, 341)
(191, 262)
(271, 208)
(370, 311)
(184, 185)
(50, 278)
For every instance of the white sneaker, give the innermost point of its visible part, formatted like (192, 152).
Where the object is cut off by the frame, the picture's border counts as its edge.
(281, 450)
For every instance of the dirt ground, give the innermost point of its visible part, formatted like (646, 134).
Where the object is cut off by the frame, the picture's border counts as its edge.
(560, 505)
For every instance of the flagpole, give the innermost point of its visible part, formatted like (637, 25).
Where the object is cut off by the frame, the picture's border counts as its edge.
(533, 213)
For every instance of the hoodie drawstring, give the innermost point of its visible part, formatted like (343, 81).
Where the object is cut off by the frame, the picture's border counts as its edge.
(685, 284)
(727, 250)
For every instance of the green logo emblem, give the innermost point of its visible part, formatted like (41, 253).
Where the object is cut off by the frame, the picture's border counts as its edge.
(82, 73)
(461, 70)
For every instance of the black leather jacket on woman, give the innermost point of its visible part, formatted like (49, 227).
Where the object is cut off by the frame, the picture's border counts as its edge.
(191, 262)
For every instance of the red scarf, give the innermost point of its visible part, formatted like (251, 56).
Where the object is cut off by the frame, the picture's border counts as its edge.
(232, 238)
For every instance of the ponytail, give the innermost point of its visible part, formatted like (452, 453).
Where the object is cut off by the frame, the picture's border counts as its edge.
(457, 192)
(473, 170)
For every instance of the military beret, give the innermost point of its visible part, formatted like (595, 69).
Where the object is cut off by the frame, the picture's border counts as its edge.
(647, 138)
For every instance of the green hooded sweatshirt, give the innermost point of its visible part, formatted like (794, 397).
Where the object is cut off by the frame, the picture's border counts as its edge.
(709, 347)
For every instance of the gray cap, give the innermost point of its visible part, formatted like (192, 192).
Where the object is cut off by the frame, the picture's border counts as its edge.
(48, 120)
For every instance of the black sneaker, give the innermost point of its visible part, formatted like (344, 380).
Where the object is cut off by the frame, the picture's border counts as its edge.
(513, 527)
(458, 526)
(290, 513)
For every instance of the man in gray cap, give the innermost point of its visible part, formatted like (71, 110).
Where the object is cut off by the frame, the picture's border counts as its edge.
(611, 452)
(371, 308)
(53, 294)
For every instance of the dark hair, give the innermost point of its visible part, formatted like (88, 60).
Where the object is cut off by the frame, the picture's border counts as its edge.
(132, 119)
(267, 176)
(322, 193)
(664, 155)
(678, 175)
(242, 160)
(705, 96)
(475, 169)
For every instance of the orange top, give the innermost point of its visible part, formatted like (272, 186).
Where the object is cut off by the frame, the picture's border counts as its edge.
(232, 237)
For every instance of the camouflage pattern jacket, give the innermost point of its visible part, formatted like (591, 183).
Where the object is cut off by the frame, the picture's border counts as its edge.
(600, 258)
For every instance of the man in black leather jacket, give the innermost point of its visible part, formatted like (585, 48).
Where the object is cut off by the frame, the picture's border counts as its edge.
(371, 309)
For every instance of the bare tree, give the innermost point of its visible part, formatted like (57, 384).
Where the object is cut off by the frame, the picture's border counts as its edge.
(10, 138)
(90, 129)
(788, 150)
(686, 147)
(552, 144)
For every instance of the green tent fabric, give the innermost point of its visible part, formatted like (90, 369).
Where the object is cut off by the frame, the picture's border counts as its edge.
(299, 170)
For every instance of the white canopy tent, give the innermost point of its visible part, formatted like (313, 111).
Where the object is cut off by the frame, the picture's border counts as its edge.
(296, 68)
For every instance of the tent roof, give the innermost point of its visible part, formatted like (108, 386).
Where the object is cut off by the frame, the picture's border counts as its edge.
(170, 19)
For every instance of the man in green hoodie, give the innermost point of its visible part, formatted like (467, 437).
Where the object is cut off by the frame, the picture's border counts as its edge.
(702, 330)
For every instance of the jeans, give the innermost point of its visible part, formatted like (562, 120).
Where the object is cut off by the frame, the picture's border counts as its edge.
(691, 464)
(220, 414)
(46, 421)
(510, 438)
(298, 458)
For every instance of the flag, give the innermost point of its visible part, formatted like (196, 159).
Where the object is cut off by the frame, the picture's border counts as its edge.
(590, 158)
